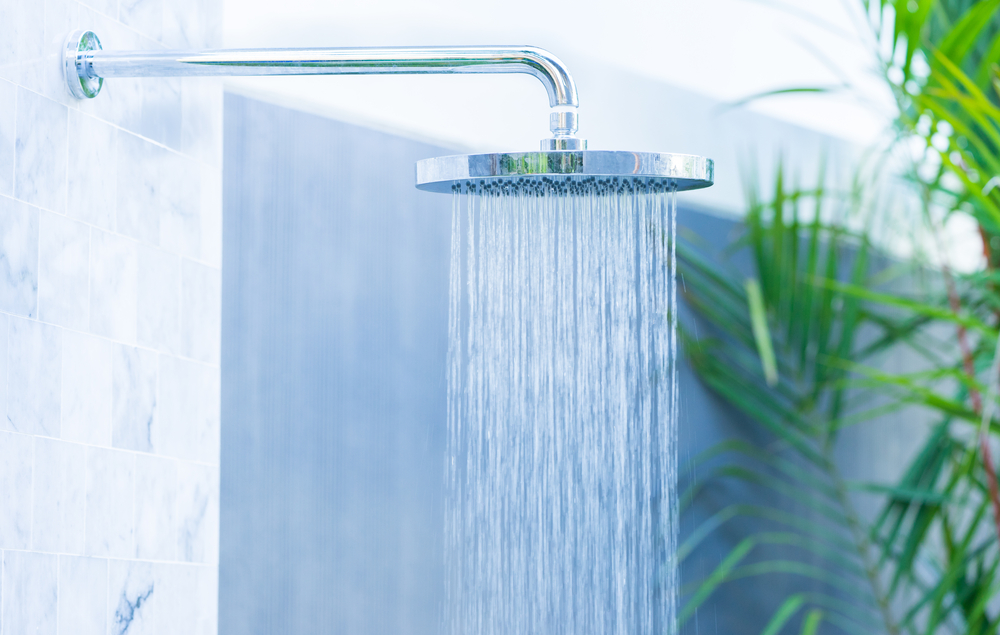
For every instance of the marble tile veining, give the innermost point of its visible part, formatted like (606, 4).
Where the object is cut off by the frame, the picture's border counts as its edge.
(104, 527)
(188, 410)
(59, 497)
(147, 598)
(155, 505)
(34, 377)
(21, 24)
(211, 217)
(124, 104)
(41, 147)
(63, 271)
(145, 16)
(4, 328)
(31, 39)
(83, 596)
(113, 286)
(110, 490)
(187, 593)
(107, 7)
(179, 31)
(18, 258)
(161, 111)
(44, 74)
(92, 185)
(159, 196)
(8, 101)
(136, 598)
(201, 126)
(141, 166)
(201, 311)
(16, 460)
(159, 301)
(198, 512)
(30, 587)
(180, 222)
(133, 399)
(86, 389)
(206, 600)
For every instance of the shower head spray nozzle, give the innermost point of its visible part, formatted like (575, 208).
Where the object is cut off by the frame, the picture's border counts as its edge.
(657, 170)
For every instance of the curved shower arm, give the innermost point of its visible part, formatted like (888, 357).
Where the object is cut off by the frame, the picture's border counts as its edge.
(340, 61)
(87, 65)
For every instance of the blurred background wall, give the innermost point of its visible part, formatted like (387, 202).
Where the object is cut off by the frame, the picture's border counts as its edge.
(335, 282)
(335, 318)
(335, 285)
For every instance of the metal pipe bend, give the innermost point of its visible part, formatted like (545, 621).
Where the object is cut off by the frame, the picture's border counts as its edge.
(90, 61)
(87, 65)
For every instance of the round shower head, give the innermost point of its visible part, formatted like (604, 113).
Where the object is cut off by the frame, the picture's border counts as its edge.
(680, 171)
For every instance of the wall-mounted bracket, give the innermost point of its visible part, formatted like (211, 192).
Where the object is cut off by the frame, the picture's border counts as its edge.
(81, 84)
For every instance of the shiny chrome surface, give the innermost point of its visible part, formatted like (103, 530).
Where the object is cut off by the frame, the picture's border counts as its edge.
(86, 67)
(563, 142)
(683, 171)
(81, 84)
(563, 124)
(338, 61)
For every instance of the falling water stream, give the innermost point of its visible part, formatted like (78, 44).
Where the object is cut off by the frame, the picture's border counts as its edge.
(562, 396)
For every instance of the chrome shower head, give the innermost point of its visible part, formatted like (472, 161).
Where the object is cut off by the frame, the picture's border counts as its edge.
(661, 170)
(86, 65)
(563, 156)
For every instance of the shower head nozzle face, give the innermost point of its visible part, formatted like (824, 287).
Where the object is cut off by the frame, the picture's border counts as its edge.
(673, 171)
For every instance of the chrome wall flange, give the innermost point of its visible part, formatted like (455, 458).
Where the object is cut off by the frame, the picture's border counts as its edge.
(80, 80)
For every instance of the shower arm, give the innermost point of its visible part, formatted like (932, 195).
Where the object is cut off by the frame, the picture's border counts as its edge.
(87, 65)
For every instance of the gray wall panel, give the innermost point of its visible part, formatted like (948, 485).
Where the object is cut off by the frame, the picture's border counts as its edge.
(335, 291)
(335, 283)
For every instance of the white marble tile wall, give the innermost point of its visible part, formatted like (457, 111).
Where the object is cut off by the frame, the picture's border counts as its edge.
(110, 255)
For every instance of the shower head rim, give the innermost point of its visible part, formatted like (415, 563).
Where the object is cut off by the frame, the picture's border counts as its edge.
(683, 171)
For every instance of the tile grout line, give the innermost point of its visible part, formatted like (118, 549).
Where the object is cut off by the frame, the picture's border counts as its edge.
(121, 128)
(116, 233)
(88, 449)
(105, 338)
(69, 554)
(112, 449)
